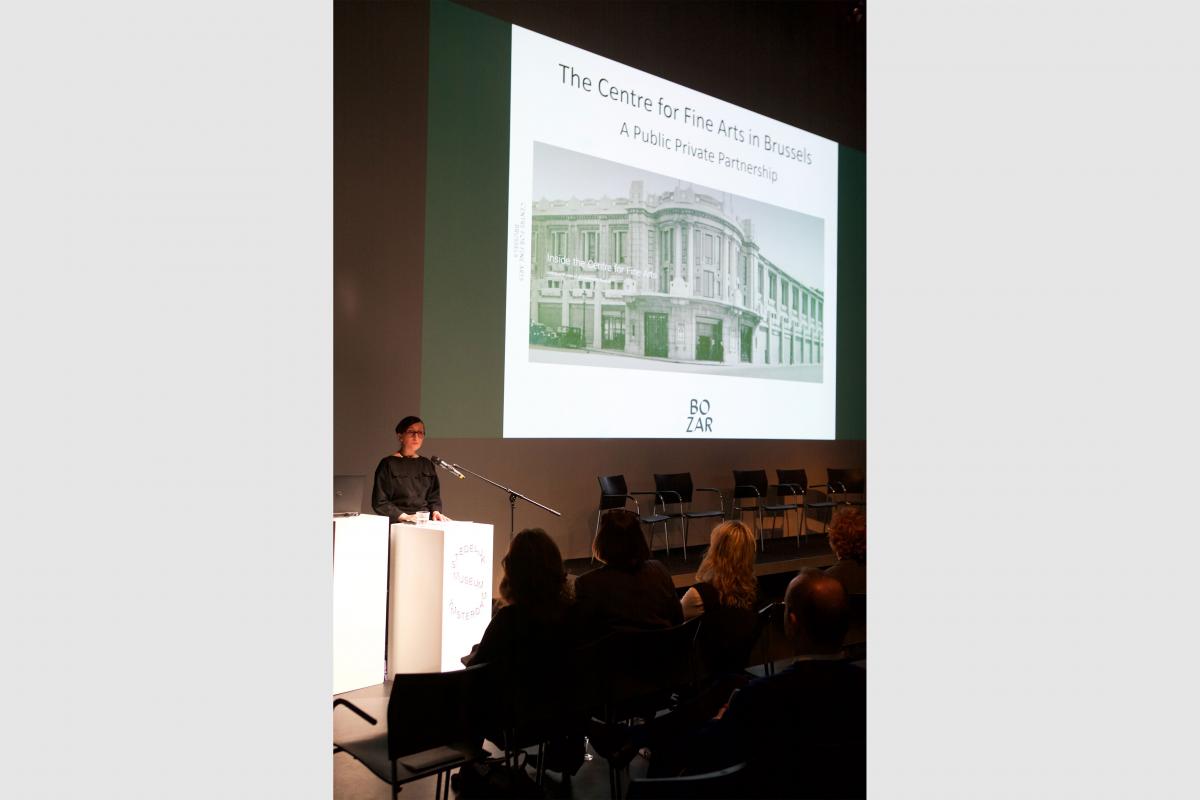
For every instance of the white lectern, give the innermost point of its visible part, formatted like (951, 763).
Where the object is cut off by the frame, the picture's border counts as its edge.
(359, 600)
(441, 594)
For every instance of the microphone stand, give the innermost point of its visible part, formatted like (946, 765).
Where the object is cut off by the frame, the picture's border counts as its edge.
(513, 496)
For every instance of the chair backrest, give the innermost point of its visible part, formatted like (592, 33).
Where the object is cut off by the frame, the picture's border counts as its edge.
(432, 709)
(772, 643)
(793, 477)
(675, 487)
(719, 784)
(854, 480)
(749, 483)
(767, 632)
(726, 638)
(610, 487)
(856, 630)
(639, 667)
(532, 694)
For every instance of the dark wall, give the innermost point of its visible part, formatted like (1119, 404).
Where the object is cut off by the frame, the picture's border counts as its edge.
(801, 63)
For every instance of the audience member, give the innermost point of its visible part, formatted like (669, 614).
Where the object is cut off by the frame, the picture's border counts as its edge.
(631, 591)
(725, 595)
(802, 731)
(528, 642)
(848, 540)
(535, 598)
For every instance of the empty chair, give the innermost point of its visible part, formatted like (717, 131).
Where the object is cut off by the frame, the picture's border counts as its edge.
(431, 728)
(839, 486)
(615, 494)
(850, 484)
(676, 489)
(794, 483)
(825, 504)
(750, 494)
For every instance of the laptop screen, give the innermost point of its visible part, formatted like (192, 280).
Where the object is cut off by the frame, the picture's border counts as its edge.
(348, 493)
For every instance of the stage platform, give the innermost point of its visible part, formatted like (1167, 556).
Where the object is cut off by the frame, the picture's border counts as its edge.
(781, 555)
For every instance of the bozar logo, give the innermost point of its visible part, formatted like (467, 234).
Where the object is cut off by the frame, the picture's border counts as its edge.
(467, 596)
(699, 420)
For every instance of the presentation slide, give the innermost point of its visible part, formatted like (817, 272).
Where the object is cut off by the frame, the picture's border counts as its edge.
(671, 259)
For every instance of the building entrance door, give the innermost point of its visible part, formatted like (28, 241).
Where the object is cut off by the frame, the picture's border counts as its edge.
(656, 334)
(708, 341)
(747, 342)
(612, 331)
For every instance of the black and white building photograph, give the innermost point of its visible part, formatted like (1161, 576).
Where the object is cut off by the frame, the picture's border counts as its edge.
(635, 269)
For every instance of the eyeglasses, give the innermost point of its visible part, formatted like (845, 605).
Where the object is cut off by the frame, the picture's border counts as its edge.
(418, 434)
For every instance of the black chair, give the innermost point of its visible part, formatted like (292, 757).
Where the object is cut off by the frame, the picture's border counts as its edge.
(723, 783)
(675, 489)
(771, 643)
(750, 494)
(847, 482)
(615, 494)
(431, 728)
(856, 653)
(825, 504)
(534, 703)
(856, 632)
(794, 483)
(843, 482)
(634, 674)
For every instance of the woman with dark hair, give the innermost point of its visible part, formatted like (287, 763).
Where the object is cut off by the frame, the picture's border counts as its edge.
(528, 644)
(631, 591)
(536, 598)
(406, 483)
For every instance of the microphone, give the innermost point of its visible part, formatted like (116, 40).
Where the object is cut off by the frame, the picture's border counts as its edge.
(448, 467)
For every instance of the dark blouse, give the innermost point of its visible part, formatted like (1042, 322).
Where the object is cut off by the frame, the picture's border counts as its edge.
(405, 485)
(517, 636)
(609, 599)
(851, 573)
(727, 633)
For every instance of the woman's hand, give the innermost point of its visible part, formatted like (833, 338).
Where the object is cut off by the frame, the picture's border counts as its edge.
(439, 517)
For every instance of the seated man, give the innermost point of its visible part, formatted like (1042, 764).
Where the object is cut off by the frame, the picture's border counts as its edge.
(802, 731)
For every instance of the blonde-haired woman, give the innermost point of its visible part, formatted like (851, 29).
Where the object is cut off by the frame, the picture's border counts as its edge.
(726, 595)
